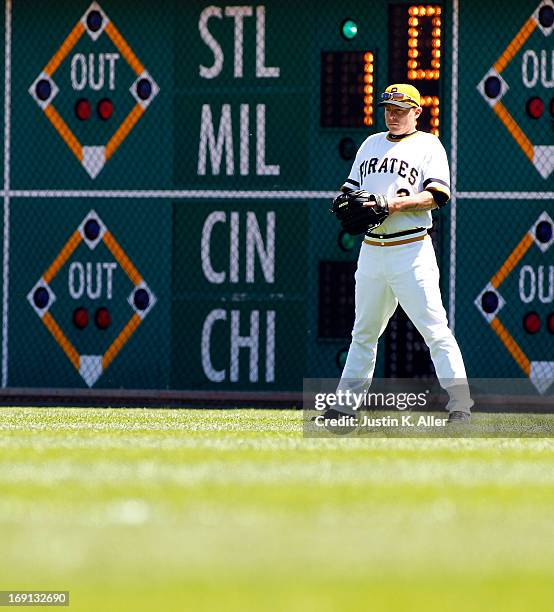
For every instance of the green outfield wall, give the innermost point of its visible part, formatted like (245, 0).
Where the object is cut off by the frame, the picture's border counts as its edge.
(169, 168)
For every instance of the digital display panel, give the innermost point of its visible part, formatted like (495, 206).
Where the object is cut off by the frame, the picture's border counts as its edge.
(347, 89)
(415, 54)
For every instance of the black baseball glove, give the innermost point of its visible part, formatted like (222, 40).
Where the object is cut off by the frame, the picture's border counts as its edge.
(353, 214)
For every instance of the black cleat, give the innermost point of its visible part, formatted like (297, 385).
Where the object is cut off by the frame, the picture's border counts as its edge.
(457, 416)
(337, 422)
(331, 413)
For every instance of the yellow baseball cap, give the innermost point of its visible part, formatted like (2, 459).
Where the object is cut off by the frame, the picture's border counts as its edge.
(402, 95)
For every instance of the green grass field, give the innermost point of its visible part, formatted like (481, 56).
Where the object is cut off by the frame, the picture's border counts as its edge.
(234, 510)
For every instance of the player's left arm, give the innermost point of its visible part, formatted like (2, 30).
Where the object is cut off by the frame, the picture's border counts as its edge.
(424, 200)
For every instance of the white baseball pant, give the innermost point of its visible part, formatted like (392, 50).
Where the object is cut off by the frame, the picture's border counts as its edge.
(407, 274)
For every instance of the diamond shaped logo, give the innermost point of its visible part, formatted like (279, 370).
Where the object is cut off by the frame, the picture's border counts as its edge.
(489, 302)
(93, 157)
(493, 87)
(92, 232)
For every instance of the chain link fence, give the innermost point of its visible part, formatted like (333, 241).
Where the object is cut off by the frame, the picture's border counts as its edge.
(169, 166)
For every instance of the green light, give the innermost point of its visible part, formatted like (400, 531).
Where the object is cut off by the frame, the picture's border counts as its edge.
(346, 241)
(349, 29)
(347, 148)
(340, 358)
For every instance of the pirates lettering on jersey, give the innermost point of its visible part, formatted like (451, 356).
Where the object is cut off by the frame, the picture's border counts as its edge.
(390, 165)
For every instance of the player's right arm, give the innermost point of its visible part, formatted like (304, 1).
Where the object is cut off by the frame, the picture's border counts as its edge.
(350, 184)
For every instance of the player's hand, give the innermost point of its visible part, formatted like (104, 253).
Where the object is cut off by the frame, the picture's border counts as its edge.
(359, 211)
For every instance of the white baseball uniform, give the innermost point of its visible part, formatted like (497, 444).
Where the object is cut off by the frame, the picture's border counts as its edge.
(404, 273)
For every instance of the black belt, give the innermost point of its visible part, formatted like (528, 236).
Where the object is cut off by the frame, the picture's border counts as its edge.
(397, 234)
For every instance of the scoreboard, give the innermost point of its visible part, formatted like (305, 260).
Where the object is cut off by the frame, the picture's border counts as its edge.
(348, 82)
(168, 176)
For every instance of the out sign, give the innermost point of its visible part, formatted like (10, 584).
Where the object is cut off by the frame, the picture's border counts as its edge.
(93, 70)
(92, 279)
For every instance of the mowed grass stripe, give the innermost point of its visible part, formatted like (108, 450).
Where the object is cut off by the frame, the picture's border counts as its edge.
(235, 510)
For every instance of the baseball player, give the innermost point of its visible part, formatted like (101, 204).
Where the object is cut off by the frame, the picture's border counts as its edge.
(397, 178)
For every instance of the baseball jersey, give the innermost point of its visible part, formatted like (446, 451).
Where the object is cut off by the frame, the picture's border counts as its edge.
(403, 165)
